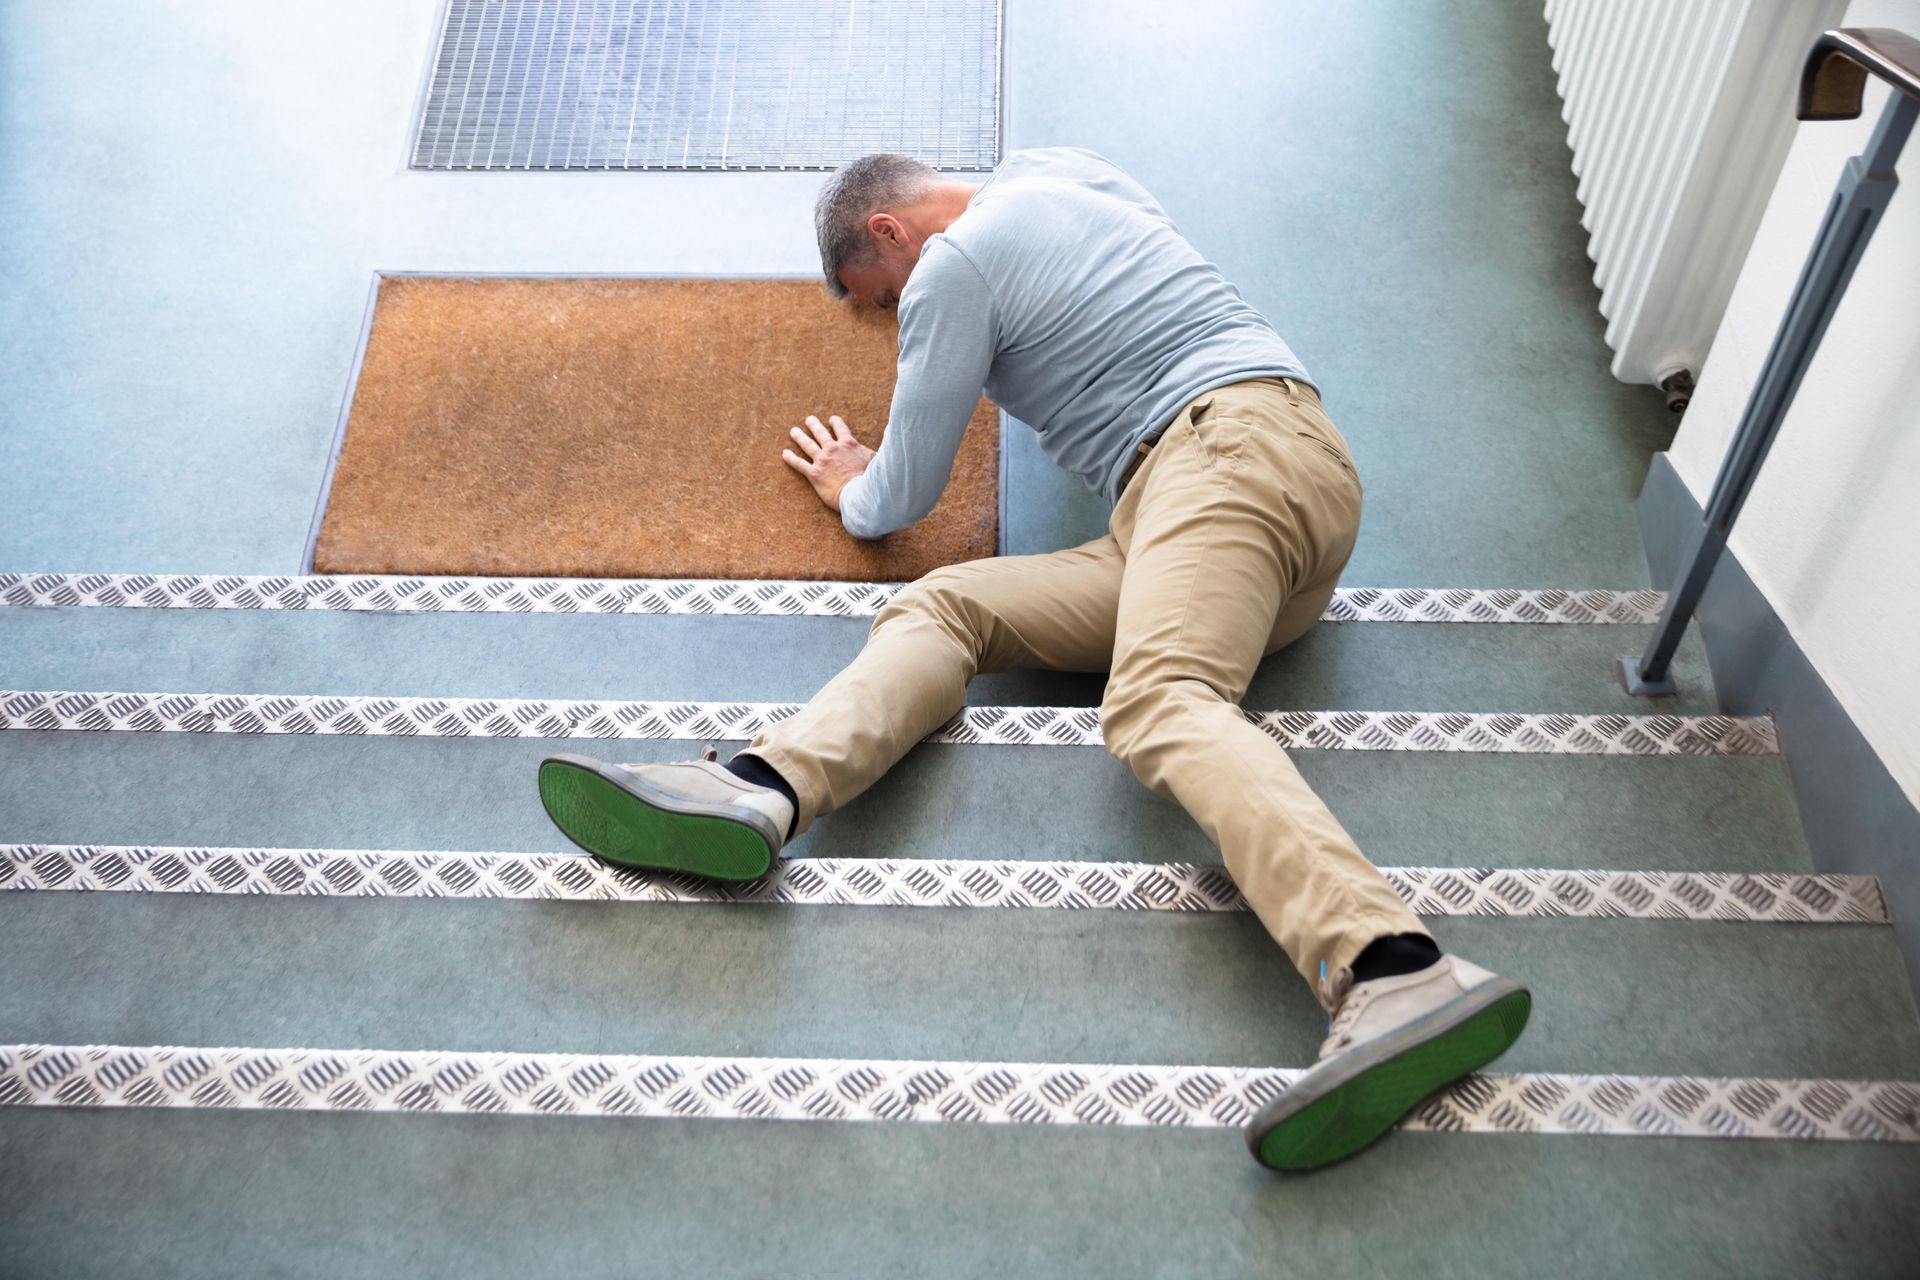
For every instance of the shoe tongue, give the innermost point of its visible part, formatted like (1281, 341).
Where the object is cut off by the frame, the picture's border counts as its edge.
(1333, 990)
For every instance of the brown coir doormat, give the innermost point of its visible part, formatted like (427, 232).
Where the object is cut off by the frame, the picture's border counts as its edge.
(623, 428)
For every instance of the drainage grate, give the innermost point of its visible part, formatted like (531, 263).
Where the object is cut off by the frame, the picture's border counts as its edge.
(712, 84)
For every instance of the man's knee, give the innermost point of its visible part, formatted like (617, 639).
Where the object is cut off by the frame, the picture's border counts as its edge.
(943, 595)
(1134, 714)
(937, 589)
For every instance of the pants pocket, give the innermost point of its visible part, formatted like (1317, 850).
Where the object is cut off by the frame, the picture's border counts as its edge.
(1327, 447)
(1319, 431)
(1195, 416)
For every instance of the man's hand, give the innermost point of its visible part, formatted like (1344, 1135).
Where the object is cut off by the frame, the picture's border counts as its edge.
(831, 457)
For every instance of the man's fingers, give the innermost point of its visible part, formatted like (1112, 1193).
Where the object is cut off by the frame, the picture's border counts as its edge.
(795, 461)
(806, 442)
(840, 429)
(819, 430)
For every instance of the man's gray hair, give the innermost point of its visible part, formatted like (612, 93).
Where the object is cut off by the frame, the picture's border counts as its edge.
(878, 183)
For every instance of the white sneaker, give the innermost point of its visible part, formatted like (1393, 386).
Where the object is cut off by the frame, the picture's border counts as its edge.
(1393, 1041)
(690, 816)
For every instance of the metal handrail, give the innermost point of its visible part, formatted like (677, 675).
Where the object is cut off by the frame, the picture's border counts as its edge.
(1832, 84)
(1834, 79)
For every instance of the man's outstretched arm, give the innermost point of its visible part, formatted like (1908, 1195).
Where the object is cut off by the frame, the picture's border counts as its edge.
(946, 348)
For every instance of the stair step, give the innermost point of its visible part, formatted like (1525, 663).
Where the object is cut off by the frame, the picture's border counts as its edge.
(1406, 808)
(1560, 733)
(720, 658)
(398, 593)
(815, 1089)
(1678, 997)
(916, 882)
(483, 1197)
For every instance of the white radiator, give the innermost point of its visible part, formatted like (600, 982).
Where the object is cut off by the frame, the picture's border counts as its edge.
(1679, 113)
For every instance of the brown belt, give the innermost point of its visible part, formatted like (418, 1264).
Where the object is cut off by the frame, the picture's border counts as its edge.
(1139, 456)
(1146, 446)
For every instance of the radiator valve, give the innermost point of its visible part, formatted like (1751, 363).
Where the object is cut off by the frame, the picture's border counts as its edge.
(1679, 388)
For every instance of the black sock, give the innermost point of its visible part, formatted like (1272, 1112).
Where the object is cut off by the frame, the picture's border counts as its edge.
(1393, 955)
(755, 770)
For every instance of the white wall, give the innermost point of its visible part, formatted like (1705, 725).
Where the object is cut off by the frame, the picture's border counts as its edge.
(1831, 533)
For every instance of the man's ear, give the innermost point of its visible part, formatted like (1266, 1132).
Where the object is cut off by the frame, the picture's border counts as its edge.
(886, 227)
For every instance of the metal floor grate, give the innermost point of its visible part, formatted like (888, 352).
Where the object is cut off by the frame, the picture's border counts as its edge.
(711, 84)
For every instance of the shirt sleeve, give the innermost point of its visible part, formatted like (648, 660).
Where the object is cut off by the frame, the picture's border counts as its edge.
(946, 348)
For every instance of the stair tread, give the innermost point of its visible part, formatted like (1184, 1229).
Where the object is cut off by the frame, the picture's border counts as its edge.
(1636, 996)
(511, 1197)
(774, 659)
(1006, 882)
(926, 1091)
(1706, 813)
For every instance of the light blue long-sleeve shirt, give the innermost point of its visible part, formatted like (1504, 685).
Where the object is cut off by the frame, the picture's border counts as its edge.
(1064, 292)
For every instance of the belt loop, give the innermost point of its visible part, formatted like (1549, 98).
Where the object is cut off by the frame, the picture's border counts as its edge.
(1140, 453)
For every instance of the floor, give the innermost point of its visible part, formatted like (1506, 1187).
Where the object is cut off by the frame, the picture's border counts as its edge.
(187, 262)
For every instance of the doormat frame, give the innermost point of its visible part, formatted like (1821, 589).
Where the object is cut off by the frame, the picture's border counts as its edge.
(366, 333)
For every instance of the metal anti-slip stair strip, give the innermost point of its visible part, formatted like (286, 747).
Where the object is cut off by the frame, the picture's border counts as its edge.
(1554, 733)
(905, 882)
(975, 1092)
(376, 593)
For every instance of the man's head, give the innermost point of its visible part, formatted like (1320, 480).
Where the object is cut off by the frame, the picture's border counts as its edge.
(874, 216)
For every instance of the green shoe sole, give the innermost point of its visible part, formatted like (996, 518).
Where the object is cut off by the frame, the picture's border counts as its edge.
(614, 816)
(1340, 1114)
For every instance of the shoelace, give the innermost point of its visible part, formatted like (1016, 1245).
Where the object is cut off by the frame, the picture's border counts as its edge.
(1334, 994)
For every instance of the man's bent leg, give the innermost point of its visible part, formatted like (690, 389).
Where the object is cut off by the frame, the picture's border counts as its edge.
(1054, 610)
(1232, 530)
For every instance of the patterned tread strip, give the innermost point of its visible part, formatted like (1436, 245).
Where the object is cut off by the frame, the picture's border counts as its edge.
(247, 713)
(977, 1092)
(1118, 886)
(379, 593)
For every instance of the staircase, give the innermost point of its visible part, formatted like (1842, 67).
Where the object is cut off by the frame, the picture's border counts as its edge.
(299, 980)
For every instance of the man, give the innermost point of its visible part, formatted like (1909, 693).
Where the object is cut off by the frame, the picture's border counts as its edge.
(1063, 289)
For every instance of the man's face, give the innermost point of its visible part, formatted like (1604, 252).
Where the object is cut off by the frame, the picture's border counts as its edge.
(877, 283)
(895, 249)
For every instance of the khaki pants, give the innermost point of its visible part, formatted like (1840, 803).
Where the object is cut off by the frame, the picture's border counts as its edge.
(1225, 546)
